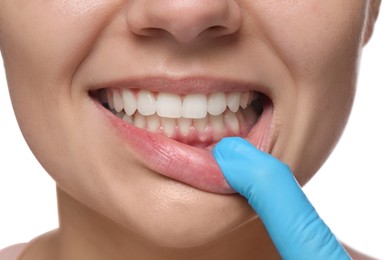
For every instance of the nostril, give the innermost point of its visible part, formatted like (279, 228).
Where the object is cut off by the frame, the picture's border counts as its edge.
(211, 32)
(185, 20)
(216, 28)
(152, 32)
(216, 31)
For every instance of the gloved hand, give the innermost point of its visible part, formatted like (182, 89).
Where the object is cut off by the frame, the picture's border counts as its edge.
(271, 189)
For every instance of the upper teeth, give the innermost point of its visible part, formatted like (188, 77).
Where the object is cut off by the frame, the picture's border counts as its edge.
(169, 105)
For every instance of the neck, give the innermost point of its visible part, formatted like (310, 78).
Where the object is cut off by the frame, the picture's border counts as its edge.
(86, 234)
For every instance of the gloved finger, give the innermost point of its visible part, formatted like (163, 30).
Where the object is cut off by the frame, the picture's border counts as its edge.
(271, 189)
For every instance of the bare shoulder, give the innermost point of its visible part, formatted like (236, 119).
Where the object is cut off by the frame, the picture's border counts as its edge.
(12, 252)
(40, 248)
(355, 255)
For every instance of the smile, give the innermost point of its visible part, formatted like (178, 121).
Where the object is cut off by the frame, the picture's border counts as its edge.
(195, 119)
(172, 132)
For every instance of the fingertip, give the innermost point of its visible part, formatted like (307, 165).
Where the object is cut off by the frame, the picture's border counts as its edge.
(238, 160)
(233, 146)
(223, 148)
(228, 143)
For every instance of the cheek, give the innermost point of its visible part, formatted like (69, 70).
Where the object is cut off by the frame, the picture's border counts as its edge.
(42, 48)
(48, 43)
(314, 36)
(320, 46)
(78, 8)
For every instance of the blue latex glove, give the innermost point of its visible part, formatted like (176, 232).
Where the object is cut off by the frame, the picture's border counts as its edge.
(271, 189)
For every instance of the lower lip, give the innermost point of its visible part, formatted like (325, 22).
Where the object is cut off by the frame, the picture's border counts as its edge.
(188, 164)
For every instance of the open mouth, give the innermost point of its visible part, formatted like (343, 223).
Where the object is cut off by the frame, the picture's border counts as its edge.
(197, 119)
(172, 133)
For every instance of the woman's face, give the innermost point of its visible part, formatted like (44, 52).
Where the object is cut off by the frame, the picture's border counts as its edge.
(122, 101)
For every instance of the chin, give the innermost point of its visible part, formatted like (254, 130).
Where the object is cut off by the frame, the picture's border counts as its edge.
(160, 211)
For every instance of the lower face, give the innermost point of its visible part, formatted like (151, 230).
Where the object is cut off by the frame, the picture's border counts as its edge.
(125, 122)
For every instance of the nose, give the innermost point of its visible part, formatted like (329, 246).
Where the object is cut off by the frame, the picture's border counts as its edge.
(185, 20)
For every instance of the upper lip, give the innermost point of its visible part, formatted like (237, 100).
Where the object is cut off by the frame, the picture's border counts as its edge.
(184, 85)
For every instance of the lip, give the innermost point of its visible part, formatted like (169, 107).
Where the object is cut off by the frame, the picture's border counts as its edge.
(183, 85)
(188, 164)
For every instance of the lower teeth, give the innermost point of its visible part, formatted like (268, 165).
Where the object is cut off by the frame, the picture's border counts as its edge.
(195, 131)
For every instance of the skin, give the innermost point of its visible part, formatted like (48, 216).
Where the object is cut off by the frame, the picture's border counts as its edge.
(110, 205)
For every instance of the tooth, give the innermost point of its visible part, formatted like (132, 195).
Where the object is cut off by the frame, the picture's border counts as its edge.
(244, 99)
(250, 115)
(110, 100)
(168, 105)
(200, 124)
(194, 106)
(217, 123)
(128, 119)
(146, 103)
(168, 125)
(253, 96)
(184, 125)
(233, 101)
(130, 102)
(216, 103)
(218, 126)
(153, 123)
(120, 114)
(139, 120)
(118, 101)
(231, 121)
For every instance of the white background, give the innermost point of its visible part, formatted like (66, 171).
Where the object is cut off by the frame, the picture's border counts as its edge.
(351, 191)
